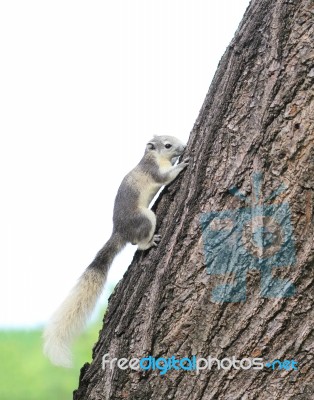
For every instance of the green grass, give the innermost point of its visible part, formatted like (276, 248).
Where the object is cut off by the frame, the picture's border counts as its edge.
(25, 374)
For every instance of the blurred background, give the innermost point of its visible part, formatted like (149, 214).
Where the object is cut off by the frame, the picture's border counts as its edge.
(83, 87)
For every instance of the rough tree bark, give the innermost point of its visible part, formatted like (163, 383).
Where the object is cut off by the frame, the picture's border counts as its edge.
(258, 117)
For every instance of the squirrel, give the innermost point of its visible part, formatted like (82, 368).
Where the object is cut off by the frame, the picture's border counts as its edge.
(133, 222)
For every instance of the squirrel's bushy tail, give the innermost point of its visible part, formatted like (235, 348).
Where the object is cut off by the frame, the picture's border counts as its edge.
(72, 315)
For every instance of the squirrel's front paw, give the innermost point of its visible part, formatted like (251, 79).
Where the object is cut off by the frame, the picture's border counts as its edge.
(185, 162)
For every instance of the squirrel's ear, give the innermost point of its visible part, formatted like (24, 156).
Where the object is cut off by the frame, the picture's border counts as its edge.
(150, 146)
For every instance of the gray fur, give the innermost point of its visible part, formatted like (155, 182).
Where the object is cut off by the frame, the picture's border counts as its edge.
(133, 222)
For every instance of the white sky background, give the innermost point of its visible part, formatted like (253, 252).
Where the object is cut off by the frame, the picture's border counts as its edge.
(83, 87)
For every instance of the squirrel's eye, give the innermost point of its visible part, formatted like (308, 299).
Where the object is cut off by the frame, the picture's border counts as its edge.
(167, 146)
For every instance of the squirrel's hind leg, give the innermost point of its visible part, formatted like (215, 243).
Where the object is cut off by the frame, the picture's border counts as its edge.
(147, 245)
(149, 239)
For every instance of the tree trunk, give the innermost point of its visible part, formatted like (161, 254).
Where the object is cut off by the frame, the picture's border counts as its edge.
(233, 274)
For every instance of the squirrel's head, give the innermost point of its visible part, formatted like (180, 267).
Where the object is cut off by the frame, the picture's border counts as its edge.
(168, 147)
